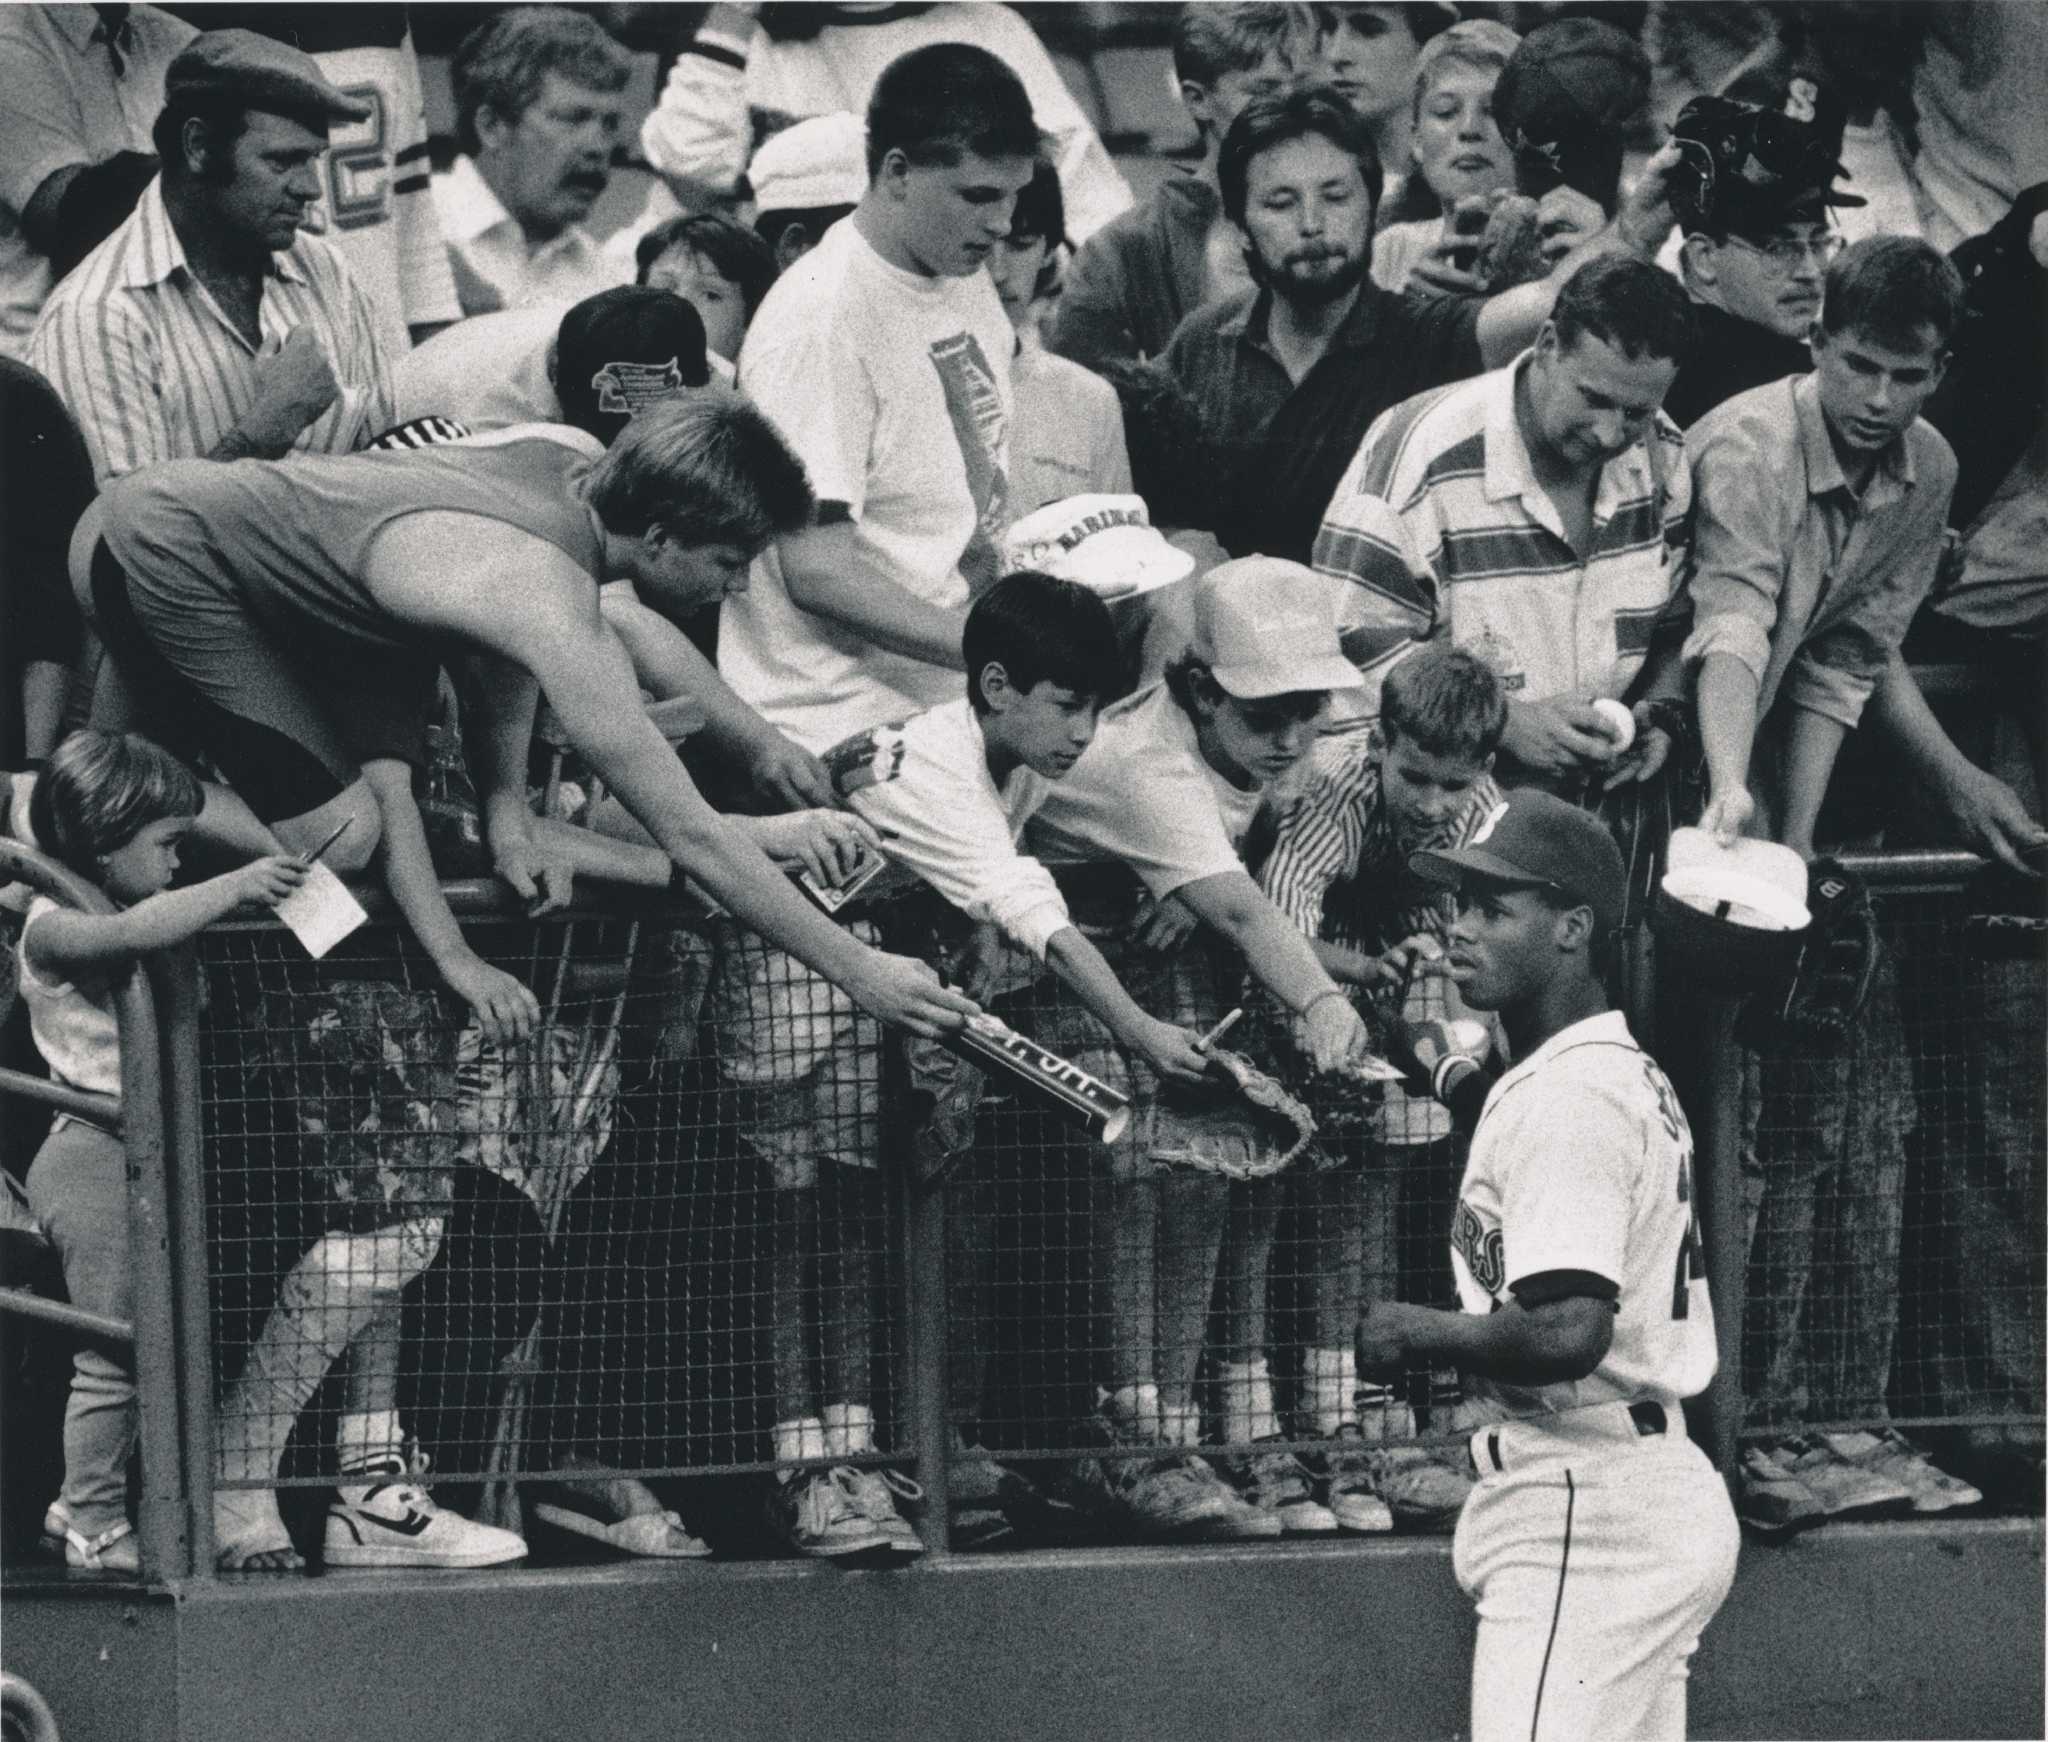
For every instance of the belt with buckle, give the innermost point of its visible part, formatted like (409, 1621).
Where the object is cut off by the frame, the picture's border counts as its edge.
(1648, 1416)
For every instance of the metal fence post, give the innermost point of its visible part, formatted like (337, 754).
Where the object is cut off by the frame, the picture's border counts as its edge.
(920, 1215)
(161, 1520)
(174, 975)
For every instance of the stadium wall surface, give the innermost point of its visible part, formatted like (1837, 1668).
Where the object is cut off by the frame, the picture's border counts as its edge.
(1892, 1630)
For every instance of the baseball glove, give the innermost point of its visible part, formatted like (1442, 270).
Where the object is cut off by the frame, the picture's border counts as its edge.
(1831, 977)
(1511, 249)
(1288, 1117)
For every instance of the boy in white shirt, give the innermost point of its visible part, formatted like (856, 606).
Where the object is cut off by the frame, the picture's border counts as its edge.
(1169, 792)
(950, 792)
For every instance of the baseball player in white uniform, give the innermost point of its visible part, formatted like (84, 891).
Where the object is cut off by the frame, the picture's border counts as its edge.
(1600, 1540)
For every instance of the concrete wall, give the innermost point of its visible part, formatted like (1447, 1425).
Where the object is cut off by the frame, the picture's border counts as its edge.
(1917, 1630)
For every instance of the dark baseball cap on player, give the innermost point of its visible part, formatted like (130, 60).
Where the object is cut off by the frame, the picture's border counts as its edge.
(1565, 102)
(1749, 169)
(623, 349)
(1535, 841)
(259, 72)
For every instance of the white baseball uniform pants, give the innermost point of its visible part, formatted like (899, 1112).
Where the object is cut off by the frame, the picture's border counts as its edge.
(1595, 1561)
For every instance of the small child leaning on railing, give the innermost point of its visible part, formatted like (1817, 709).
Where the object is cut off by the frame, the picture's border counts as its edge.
(113, 808)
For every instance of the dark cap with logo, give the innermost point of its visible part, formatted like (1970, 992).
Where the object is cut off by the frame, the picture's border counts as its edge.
(1751, 166)
(259, 72)
(1566, 101)
(1535, 841)
(623, 349)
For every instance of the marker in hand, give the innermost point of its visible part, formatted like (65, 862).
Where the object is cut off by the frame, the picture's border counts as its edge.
(1219, 1031)
(320, 852)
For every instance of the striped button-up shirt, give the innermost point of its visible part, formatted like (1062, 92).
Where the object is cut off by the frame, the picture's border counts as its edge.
(1340, 873)
(1440, 527)
(153, 370)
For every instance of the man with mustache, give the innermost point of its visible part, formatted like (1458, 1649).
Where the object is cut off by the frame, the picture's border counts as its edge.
(208, 324)
(538, 98)
(1286, 376)
(1752, 199)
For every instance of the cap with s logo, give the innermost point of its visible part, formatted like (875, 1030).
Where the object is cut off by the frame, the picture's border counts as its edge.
(1532, 840)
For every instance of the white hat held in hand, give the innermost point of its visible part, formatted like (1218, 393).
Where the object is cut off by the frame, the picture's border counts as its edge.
(1757, 884)
(1106, 543)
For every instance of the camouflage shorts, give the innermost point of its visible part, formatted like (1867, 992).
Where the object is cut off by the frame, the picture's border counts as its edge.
(391, 1090)
(804, 1061)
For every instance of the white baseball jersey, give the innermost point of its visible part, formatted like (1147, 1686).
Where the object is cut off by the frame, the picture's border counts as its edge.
(1580, 1182)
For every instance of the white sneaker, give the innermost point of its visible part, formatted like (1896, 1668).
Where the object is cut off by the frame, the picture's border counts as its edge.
(391, 1521)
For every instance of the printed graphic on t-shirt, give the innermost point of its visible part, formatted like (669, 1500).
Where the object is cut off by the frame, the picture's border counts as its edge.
(867, 759)
(975, 404)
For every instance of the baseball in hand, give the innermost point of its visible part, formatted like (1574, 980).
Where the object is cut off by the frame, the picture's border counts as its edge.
(1621, 724)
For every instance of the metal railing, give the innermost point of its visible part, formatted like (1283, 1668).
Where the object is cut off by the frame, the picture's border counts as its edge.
(618, 1213)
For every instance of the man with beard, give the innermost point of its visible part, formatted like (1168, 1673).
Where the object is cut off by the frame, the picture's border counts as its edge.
(1286, 376)
(538, 98)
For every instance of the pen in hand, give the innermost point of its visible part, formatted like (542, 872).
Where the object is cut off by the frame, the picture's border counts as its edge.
(319, 852)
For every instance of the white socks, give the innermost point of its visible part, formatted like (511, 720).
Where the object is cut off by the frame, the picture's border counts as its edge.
(365, 1438)
(1329, 1377)
(849, 1429)
(1180, 1425)
(1246, 1388)
(1135, 1407)
(839, 1430)
(800, 1437)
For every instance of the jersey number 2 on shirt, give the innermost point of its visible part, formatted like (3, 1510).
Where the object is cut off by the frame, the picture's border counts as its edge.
(1691, 1262)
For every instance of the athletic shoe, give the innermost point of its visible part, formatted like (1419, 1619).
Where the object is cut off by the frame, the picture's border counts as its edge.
(1844, 1489)
(816, 1513)
(878, 1495)
(1278, 1483)
(1347, 1470)
(1424, 1487)
(1891, 1454)
(1772, 1501)
(1149, 1492)
(391, 1521)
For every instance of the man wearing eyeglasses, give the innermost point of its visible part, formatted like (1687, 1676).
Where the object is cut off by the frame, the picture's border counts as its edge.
(1752, 197)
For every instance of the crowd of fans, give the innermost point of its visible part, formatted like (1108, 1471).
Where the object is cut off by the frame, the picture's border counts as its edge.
(1147, 579)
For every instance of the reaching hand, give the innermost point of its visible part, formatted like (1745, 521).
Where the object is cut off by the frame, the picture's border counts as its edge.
(900, 990)
(788, 775)
(1559, 736)
(1438, 270)
(1645, 216)
(1994, 820)
(829, 844)
(1333, 1034)
(505, 1008)
(266, 882)
(1172, 1052)
(1564, 219)
(1645, 757)
(540, 875)
(1164, 926)
(1726, 815)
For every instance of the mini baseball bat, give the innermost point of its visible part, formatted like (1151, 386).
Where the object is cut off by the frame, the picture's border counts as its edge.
(1103, 1112)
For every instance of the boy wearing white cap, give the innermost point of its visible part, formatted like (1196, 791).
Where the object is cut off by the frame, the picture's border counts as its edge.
(1170, 792)
(950, 792)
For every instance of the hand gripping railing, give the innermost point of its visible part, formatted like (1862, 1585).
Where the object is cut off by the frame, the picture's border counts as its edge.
(163, 1525)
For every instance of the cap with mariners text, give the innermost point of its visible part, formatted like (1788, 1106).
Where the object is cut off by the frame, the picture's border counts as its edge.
(1536, 841)
(1748, 169)
(241, 66)
(1265, 626)
(1106, 543)
(623, 349)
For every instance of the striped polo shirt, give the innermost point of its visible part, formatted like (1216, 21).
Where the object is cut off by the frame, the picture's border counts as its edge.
(1439, 526)
(152, 370)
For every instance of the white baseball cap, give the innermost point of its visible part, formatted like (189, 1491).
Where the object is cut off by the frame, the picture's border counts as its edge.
(1265, 626)
(1106, 543)
(1757, 884)
(822, 161)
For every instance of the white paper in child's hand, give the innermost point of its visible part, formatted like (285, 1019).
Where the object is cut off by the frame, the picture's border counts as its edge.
(321, 912)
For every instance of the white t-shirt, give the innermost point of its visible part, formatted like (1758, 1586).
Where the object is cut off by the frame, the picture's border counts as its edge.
(74, 1029)
(894, 390)
(1582, 1164)
(1067, 437)
(1143, 794)
(926, 787)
